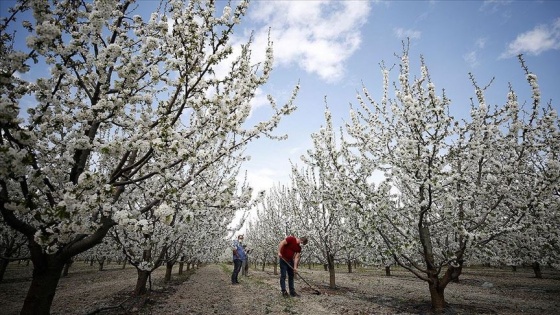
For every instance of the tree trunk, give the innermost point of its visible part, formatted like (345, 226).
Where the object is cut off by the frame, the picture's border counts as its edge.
(332, 278)
(456, 272)
(3, 265)
(181, 265)
(46, 274)
(349, 266)
(168, 269)
(141, 282)
(101, 263)
(537, 270)
(388, 271)
(436, 285)
(437, 297)
(514, 268)
(67, 267)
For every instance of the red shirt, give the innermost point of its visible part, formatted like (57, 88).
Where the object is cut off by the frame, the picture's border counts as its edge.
(288, 251)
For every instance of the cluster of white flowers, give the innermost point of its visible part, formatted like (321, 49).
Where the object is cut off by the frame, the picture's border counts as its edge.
(144, 226)
(468, 181)
(532, 79)
(164, 213)
(145, 266)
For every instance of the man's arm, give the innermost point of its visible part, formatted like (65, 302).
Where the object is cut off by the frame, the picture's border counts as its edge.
(280, 245)
(234, 247)
(296, 261)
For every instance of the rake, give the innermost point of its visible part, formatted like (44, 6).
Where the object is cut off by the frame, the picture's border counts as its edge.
(315, 291)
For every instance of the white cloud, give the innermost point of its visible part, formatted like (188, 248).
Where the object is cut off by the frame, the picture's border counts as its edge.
(260, 99)
(535, 41)
(407, 33)
(493, 6)
(471, 57)
(498, 7)
(317, 36)
(262, 179)
(480, 43)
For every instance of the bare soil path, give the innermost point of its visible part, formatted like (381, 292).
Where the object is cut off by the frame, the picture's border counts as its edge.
(208, 290)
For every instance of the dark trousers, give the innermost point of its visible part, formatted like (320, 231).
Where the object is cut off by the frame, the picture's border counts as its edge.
(286, 268)
(236, 268)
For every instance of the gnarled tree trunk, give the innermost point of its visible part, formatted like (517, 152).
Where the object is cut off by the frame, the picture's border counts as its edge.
(181, 265)
(141, 282)
(168, 269)
(46, 274)
(537, 270)
(436, 284)
(332, 273)
(47, 269)
(67, 267)
(388, 271)
(437, 296)
(3, 266)
(101, 263)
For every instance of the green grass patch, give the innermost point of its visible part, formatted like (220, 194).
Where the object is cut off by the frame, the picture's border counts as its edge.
(226, 268)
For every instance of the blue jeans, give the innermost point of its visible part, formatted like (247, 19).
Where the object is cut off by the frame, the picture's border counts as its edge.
(236, 268)
(286, 267)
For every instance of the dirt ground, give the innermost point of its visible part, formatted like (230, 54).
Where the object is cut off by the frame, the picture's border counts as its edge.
(208, 290)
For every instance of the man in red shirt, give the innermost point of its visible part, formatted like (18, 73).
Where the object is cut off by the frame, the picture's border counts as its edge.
(289, 251)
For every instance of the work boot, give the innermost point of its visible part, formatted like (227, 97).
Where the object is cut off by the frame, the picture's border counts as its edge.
(285, 294)
(294, 294)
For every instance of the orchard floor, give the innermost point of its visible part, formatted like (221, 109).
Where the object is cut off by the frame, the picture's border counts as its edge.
(208, 290)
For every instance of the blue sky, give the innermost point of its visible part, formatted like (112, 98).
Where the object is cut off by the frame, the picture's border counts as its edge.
(331, 47)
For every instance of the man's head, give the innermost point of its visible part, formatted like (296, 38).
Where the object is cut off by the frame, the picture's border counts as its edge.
(240, 237)
(303, 240)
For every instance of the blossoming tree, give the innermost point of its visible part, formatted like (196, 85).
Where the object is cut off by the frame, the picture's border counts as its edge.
(321, 210)
(461, 184)
(12, 247)
(271, 224)
(123, 102)
(157, 237)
